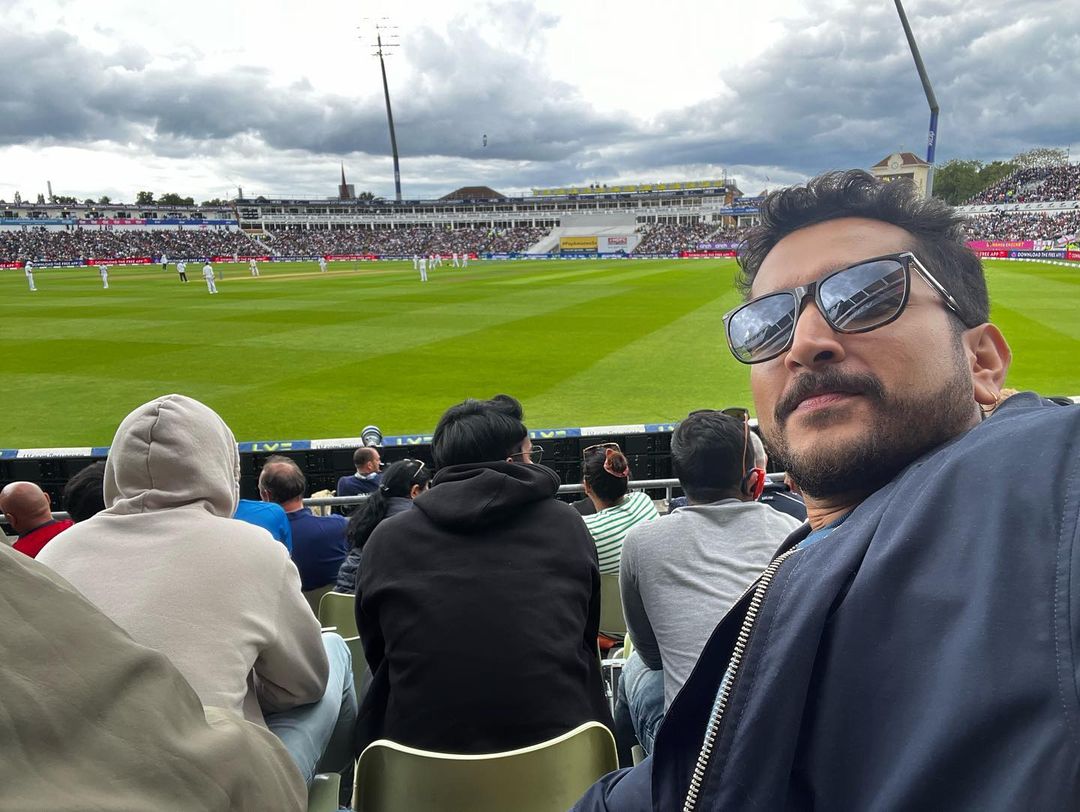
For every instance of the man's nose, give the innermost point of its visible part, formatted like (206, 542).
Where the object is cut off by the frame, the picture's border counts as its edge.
(815, 343)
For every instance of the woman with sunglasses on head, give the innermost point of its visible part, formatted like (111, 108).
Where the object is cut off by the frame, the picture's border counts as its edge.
(401, 483)
(607, 480)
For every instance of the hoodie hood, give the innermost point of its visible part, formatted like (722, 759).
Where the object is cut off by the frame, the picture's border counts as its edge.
(172, 452)
(470, 497)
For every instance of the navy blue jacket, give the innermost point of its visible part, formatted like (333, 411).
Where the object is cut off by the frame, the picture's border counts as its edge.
(922, 656)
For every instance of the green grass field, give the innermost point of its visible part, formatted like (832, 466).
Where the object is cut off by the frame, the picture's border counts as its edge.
(297, 354)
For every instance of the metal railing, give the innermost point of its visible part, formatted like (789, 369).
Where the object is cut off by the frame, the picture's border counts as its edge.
(332, 501)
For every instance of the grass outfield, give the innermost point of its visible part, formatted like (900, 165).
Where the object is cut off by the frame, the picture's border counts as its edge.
(299, 354)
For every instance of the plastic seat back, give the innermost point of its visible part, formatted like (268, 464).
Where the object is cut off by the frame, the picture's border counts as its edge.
(547, 777)
(338, 609)
(611, 614)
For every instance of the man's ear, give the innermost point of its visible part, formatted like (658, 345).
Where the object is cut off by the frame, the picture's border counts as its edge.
(989, 357)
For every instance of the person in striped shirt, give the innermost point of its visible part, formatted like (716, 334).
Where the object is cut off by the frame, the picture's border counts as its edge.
(607, 480)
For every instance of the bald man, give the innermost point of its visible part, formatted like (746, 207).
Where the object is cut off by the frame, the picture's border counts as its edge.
(29, 512)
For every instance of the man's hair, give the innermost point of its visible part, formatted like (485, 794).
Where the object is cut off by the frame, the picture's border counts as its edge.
(83, 495)
(479, 431)
(936, 227)
(707, 456)
(362, 456)
(282, 479)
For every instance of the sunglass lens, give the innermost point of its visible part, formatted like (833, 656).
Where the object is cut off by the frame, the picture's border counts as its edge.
(762, 328)
(864, 296)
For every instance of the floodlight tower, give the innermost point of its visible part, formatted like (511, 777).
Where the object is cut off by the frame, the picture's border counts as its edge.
(383, 30)
(931, 99)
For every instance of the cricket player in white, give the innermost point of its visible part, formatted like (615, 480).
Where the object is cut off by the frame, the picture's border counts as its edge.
(455, 263)
(208, 275)
(104, 271)
(465, 260)
(29, 269)
(254, 267)
(164, 262)
(181, 268)
(423, 269)
(322, 264)
(415, 262)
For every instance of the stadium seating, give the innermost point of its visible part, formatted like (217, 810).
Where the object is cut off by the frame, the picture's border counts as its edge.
(1014, 225)
(612, 621)
(359, 664)
(1034, 184)
(547, 777)
(323, 793)
(313, 596)
(402, 242)
(42, 245)
(338, 610)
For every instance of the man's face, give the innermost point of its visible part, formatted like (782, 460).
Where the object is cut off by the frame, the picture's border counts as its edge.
(374, 463)
(845, 413)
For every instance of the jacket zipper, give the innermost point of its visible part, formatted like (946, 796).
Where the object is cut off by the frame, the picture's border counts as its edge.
(728, 682)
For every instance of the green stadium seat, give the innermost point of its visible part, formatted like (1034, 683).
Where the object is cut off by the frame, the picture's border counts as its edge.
(323, 793)
(612, 622)
(313, 596)
(359, 664)
(546, 777)
(337, 609)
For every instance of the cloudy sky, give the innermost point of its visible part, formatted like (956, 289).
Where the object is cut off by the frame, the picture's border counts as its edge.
(201, 96)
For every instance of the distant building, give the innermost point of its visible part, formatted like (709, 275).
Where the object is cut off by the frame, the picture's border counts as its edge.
(346, 191)
(903, 166)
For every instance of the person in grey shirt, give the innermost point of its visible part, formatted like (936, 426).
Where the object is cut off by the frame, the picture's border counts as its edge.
(681, 573)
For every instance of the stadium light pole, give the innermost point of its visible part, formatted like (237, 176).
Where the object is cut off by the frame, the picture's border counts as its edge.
(931, 99)
(380, 51)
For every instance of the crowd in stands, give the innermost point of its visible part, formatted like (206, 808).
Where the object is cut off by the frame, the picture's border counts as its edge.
(1036, 184)
(1008, 225)
(41, 245)
(225, 609)
(160, 654)
(666, 238)
(405, 242)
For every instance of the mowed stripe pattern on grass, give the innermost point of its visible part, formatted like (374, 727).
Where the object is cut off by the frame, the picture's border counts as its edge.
(297, 354)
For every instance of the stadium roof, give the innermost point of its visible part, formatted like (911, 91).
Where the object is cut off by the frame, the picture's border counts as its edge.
(474, 193)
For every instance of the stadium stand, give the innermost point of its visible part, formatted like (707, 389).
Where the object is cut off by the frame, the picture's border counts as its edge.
(665, 238)
(39, 244)
(417, 240)
(1033, 185)
(1012, 225)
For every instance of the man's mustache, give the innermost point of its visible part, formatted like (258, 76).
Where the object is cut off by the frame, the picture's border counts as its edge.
(810, 384)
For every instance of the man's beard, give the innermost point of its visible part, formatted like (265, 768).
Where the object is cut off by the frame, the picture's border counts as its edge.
(901, 429)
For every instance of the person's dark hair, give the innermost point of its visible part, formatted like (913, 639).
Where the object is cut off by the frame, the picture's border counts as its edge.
(608, 487)
(362, 456)
(282, 479)
(706, 448)
(83, 495)
(397, 480)
(936, 227)
(479, 431)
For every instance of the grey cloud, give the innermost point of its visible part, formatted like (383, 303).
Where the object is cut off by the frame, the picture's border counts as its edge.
(68, 94)
(834, 91)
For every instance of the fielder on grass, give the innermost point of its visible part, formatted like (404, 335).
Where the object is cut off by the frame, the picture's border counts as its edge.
(208, 275)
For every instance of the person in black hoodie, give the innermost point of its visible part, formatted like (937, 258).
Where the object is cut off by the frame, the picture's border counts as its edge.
(479, 608)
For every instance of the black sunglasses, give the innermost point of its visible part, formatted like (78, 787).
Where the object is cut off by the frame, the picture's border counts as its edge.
(856, 299)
